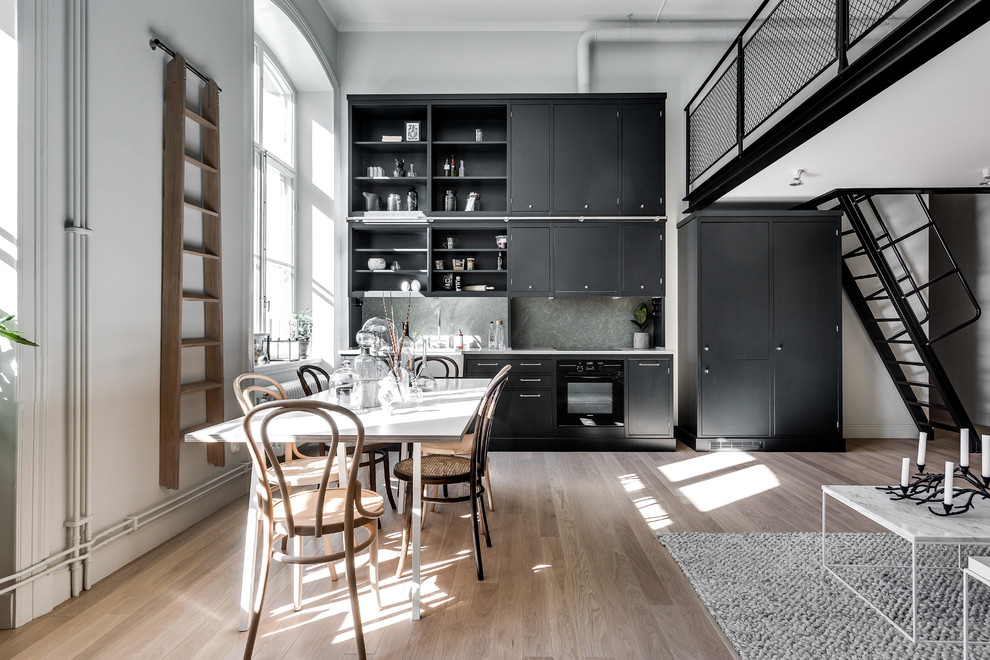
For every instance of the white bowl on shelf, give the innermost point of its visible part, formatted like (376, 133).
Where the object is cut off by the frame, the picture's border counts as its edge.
(376, 263)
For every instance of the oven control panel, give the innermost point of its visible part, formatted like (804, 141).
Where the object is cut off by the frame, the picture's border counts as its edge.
(590, 367)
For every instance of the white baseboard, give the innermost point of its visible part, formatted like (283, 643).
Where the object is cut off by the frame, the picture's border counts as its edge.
(879, 431)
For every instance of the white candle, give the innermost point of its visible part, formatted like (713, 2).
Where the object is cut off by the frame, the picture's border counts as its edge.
(986, 456)
(964, 448)
(905, 471)
(922, 447)
(947, 495)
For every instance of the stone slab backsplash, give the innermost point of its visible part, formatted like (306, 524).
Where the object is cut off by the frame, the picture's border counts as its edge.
(470, 315)
(573, 322)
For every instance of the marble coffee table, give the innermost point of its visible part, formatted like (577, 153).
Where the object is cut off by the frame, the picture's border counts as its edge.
(916, 525)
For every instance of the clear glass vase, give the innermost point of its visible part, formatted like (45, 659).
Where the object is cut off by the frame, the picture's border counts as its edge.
(397, 391)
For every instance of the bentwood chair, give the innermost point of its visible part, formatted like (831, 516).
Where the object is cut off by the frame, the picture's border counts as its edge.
(448, 364)
(443, 470)
(375, 452)
(311, 513)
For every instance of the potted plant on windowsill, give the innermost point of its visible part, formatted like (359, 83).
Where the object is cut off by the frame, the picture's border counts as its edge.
(641, 316)
(302, 331)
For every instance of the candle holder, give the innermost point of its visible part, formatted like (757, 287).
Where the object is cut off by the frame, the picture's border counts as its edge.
(930, 487)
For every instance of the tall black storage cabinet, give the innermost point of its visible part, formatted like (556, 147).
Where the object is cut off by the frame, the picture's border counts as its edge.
(759, 314)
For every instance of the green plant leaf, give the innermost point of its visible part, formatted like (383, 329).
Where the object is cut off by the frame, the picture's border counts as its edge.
(15, 336)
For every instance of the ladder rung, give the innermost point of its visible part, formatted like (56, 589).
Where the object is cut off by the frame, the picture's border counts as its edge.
(193, 429)
(907, 362)
(855, 252)
(913, 383)
(200, 253)
(899, 334)
(200, 209)
(897, 240)
(893, 319)
(926, 404)
(199, 386)
(201, 165)
(200, 119)
(876, 295)
(865, 277)
(924, 286)
(848, 231)
(893, 341)
(192, 342)
(200, 297)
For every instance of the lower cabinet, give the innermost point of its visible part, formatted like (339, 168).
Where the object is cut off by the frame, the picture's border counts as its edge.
(524, 413)
(649, 397)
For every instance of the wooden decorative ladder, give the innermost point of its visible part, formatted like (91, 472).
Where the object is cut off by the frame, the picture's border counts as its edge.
(174, 249)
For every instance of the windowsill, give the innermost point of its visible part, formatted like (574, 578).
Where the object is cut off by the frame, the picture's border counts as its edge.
(287, 366)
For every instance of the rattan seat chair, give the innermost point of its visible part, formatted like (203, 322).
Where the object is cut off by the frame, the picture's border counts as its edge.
(312, 513)
(375, 452)
(446, 470)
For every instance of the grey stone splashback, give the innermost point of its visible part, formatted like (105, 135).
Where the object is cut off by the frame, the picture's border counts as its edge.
(470, 315)
(573, 322)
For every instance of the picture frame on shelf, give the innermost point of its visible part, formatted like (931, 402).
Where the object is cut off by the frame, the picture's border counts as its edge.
(412, 133)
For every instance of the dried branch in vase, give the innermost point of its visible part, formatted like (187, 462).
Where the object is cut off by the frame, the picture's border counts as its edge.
(395, 359)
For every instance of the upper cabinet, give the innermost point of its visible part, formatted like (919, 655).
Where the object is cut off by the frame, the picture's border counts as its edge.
(573, 155)
(529, 158)
(586, 159)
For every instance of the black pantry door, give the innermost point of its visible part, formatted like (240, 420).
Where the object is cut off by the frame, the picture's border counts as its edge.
(529, 158)
(586, 158)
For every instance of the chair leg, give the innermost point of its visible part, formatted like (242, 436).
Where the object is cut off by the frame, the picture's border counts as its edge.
(329, 550)
(484, 519)
(477, 541)
(353, 590)
(488, 488)
(388, 482)
(406, 529)
(259, 592)
(297, 570)
(373, 563)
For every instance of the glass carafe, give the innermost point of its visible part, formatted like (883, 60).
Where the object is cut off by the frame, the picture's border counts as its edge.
(344, 383)
(368, 374)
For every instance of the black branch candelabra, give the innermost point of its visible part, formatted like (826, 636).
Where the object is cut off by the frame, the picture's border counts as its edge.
(927, 487)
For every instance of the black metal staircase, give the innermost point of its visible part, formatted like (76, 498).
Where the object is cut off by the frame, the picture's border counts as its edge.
(884, 280)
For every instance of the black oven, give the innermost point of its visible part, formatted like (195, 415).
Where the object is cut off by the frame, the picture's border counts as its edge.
(590, 394)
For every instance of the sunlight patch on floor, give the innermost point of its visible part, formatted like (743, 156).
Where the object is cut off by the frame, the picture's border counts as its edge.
(696, 467)
(726, 489)
(539, 568)
(631, 482)
(653, 513)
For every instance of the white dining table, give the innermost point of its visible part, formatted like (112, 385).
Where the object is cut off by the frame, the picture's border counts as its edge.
(441, 417)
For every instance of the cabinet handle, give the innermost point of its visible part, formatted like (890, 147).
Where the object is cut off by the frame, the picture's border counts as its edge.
(530, 364)
(530, 396)
(780, 348)
(648, 364)
(530, 380)
(487, 364)
(530, 206)
(585, 206)
(642, 206)
(706, 348)
(706, 370)
(641, 286)
(585, 286)
(530, 286)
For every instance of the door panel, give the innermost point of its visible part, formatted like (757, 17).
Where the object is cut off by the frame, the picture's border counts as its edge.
(735, 398)
(806, 345)
(586, 259)
(522, 413)
(529, 260)
(648, 394)
(735, 290)
(585, 158)
(642, 159)
(530, 158)
(642, 260)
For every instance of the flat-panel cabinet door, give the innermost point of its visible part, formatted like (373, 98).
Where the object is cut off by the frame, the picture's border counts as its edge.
(642, 159)
(735, 398)
(524, 413)
(586, 259)
(643, 260)
(585, 159)
(529, 260)
(806, 319)
(735, 290)
(648, 396)
(529, 158)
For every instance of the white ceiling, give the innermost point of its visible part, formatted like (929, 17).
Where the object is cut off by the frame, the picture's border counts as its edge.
(928, 129)
(498, 15)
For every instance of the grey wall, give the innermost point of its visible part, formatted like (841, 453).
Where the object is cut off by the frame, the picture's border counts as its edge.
(574, 322)
(963, 221)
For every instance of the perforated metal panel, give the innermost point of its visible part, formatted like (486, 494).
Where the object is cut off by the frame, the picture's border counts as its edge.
(794, 44)
(864, 15)
(713, 123)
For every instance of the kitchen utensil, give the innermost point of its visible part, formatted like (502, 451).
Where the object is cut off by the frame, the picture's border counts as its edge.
(394, 202)
(372, 202)
(479, 287)
(501, 241)
(376, 263)
(473, 202)
(469, 265)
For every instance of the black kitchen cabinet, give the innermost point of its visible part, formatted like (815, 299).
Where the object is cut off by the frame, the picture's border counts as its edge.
(524, 413)
(759, 316)
(529, 266)
(649, 396)
(529, 158)
(643, 259)
(586, 158)
(586, 259)
(642, 159)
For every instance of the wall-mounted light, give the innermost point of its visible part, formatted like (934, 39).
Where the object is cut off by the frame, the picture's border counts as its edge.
(986, 177)
(796, 181)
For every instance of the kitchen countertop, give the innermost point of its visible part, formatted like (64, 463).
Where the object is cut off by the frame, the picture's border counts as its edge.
(567, 351)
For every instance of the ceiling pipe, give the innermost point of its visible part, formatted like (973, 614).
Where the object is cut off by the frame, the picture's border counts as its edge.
(669, 32)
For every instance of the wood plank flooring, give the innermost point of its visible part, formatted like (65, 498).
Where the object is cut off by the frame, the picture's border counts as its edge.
(575, 570)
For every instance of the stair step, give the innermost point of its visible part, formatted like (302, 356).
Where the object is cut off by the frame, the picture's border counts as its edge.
(865, 277)
(200, 297)
(927, 404)
(201, 165)
(908, 362)
(855, 252)
(914, 383)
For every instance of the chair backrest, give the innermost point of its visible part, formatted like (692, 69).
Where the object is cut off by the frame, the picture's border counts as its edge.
(244, 387)
(483, 427)
(314, 372)
(257, 427)
(450, 367)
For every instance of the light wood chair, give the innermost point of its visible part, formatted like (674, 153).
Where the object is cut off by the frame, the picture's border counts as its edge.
(311, 513)
(375, 452)
(450, 367)
(445, 470)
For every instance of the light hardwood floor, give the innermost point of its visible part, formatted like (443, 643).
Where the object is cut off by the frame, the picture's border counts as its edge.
(575, 571)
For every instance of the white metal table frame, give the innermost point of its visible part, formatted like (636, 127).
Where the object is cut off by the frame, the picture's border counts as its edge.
(830, 491)
(454, 403)
(979, 577)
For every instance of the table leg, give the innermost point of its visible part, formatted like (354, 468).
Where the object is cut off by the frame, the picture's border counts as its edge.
(417, 523)
(914, 592)
(824, 500)
(965, 639)
(252, 529)
(403, 454)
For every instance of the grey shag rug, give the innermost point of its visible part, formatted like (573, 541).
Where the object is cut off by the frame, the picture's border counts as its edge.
(772, 598)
